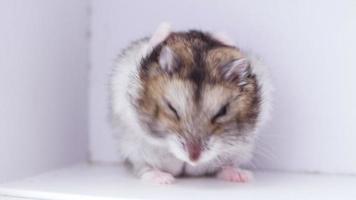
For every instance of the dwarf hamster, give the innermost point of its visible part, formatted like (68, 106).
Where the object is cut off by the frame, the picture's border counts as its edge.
(187, 103)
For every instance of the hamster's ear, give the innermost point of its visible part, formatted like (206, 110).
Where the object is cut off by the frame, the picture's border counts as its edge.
(223, 38)
(237, 70)
(168, 60)
(162, 32)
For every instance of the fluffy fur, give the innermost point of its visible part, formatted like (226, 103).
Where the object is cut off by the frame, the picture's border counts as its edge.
(188, 103)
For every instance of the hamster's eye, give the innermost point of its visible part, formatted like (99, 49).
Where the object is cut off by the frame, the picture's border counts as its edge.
(220, 113)
(173, 110)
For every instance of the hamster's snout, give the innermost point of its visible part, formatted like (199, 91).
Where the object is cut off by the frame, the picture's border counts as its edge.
(194, 150)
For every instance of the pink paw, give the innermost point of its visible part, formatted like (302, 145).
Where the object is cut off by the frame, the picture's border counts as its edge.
(158, 177)
(235, 175)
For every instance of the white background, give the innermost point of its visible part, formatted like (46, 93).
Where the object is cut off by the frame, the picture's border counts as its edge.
(43, 85)
(308, 45)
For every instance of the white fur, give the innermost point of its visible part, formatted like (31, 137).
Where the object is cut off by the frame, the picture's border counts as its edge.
(148, 154)
(162, 32)
(167, 59)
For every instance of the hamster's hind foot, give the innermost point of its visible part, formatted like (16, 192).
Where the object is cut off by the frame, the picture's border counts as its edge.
(235, 174)
(158, 177)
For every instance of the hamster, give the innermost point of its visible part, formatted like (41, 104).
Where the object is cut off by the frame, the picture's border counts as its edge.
(187, 103)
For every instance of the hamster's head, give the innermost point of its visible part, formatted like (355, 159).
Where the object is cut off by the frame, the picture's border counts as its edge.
(198, 96)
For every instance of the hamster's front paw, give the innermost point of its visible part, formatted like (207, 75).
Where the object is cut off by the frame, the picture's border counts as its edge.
(235, 174)
(158, 177)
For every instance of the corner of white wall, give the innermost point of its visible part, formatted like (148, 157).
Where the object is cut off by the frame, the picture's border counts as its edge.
(43, 84)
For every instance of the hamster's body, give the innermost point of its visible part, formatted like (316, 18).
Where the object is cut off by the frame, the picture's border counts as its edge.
(160, 132)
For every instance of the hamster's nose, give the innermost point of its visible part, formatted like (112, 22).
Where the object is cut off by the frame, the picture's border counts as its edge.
(194, 150)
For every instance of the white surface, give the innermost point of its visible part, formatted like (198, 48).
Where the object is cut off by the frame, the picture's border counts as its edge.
(309, 46)
(43, 85)
(11, 198)
(85, 182)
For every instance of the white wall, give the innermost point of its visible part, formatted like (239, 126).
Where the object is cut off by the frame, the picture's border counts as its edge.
(309, 46)
(43, 85)
(43, 76)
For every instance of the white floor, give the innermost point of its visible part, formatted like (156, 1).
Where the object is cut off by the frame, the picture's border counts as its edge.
(101, 182)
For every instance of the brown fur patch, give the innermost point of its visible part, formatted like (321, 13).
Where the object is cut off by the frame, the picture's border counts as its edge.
(201, 58)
